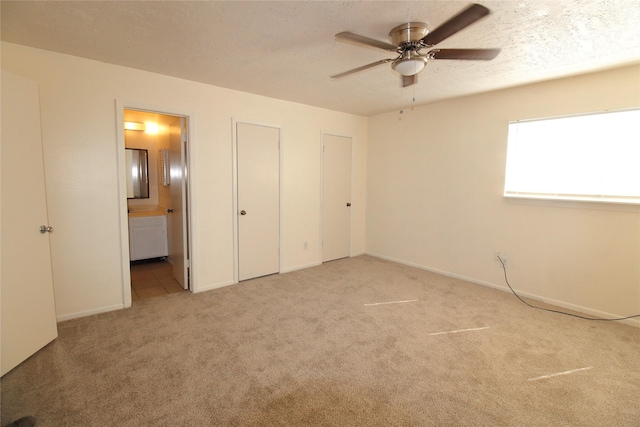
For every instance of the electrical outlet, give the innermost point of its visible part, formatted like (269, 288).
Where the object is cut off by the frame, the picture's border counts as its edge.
(305, 245)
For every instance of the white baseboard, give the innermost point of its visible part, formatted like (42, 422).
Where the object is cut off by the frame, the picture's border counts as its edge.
(214, 286)
(301, 267)
(63, 317)
(231, 282)
(569, 306)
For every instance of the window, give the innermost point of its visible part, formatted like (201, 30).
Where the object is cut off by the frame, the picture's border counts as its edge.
(594, 157)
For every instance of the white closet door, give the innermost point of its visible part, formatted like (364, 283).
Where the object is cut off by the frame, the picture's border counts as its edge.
(28, 308)
(336, 197)
(258, 156)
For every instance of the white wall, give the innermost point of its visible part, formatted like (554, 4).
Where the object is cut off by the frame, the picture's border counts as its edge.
(78, 105)
(434, 198)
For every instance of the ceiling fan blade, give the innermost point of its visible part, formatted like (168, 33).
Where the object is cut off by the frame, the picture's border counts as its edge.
(364, 67)
(348, 37)
(409, 80)
(474, 54)
(463, 19)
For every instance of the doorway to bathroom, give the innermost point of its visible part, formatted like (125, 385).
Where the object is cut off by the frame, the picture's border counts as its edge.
(155, 190)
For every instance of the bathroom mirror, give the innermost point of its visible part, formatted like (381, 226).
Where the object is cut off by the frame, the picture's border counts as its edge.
(137, 167)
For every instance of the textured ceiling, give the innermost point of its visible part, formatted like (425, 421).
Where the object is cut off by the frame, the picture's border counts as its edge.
(287, 50)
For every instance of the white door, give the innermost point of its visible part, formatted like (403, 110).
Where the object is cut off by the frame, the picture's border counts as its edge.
(336, 197)
(176, 220)
(258, 171)
(28, 308)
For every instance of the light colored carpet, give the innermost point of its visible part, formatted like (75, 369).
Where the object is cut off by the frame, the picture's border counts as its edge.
(304, 348)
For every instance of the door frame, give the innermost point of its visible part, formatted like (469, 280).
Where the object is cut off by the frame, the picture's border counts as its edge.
(122, 105)
(322, 135)
(234, 213)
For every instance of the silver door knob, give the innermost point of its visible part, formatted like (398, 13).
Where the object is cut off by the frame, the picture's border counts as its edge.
(243, 212)
(46, 229)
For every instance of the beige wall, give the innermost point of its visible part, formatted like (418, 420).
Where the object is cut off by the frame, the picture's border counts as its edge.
(433, 179)
(434, 198)
(79, 126)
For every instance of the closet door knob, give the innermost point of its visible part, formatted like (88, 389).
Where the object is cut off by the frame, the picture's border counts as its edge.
(243, 212)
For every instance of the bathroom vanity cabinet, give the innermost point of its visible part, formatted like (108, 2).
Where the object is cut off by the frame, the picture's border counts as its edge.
(147, 237)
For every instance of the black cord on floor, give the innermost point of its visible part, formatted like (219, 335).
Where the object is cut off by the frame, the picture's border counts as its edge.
(504, 269)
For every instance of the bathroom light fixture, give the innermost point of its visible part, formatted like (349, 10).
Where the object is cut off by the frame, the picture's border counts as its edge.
(135, 126)
(151, 128)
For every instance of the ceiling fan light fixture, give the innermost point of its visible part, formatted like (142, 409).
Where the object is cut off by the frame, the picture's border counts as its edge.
(409, 66)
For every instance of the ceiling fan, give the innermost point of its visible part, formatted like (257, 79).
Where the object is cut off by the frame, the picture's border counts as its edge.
(409, 39)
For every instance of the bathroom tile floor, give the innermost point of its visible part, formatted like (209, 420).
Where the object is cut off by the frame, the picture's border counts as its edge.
(152, 278)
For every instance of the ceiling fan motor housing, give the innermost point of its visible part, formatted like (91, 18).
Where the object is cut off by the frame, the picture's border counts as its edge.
(411, 32)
